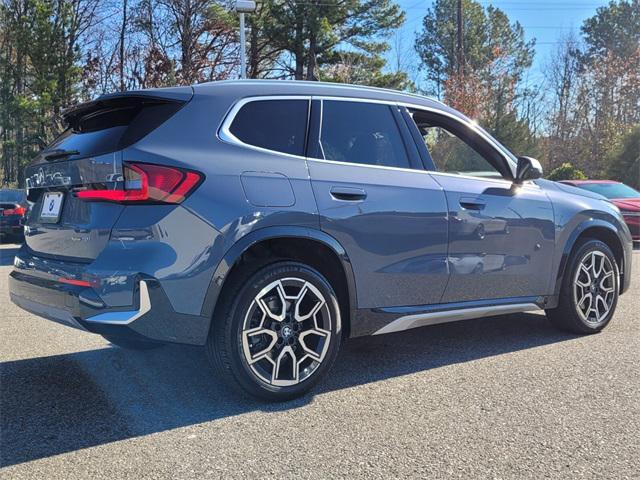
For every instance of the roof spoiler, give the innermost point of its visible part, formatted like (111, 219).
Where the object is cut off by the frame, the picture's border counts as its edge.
(73, 115)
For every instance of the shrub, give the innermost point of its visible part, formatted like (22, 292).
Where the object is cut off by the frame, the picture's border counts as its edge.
(624, 161)
(566, 171)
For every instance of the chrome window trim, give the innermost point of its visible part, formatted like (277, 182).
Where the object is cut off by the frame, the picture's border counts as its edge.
(468, 124)
(339, 162)
(471, 125)
(424, 171)
(527, 183)
(225, 135)
(224, 132)
(366, 165)
(324, 156)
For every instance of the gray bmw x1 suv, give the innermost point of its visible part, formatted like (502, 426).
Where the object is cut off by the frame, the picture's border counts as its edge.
(269, 220)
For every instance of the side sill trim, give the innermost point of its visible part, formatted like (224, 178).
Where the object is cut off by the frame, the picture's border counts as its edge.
(124, 318)
(433, 318)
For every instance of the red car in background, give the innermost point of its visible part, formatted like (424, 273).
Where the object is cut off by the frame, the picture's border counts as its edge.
(623, 196)
(13, 207)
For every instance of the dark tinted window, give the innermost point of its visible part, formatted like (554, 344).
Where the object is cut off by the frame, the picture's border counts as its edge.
(91, 143)
(358, 132)
(108, 128)
(279, 125)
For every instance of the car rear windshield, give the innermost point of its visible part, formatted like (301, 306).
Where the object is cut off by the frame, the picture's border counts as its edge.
(611, 190)
(112, 126)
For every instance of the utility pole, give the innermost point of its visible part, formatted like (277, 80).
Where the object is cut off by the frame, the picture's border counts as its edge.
(460, 44)
(243, 48)
(122, 35)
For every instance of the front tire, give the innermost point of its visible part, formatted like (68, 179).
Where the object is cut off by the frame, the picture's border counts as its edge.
(590, 290)
(277, 331)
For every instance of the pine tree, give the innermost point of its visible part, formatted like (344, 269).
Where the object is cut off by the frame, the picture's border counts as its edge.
(482, 76)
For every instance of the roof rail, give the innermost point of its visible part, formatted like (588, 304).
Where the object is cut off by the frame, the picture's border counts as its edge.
(328, 84)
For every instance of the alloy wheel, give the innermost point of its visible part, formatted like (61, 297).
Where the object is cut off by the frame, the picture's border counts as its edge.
(286, 332)
(594, 287)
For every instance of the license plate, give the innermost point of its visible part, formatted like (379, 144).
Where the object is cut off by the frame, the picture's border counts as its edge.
(51, 207)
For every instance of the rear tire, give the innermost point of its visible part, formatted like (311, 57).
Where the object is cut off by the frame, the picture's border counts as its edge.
(276, 332)
(590, 289)
(132, 344)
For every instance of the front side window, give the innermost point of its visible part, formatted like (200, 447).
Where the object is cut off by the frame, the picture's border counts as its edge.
(455, 149)
(279, 125)
(364, 133)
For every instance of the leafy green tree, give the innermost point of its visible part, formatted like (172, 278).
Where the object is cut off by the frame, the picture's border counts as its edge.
(39, 50)
(363, 69)
(485, 80)
(614, 28)
(317, 34)
(594, 88)
(489, 37)
(566, 171)
(262, 55)
(624, 161)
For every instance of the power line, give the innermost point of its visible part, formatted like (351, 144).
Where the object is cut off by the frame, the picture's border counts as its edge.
(423, 4)
(533, 6)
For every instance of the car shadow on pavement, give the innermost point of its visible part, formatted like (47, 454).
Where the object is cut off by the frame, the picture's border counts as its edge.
(6, 256)
(51, 405)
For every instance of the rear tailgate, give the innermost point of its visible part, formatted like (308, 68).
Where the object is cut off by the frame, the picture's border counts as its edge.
(89, 153)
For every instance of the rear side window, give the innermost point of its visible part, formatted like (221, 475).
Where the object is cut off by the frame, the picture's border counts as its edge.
(359, 132)
(279, 125)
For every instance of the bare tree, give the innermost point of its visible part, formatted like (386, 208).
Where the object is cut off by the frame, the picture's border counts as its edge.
(563, 78)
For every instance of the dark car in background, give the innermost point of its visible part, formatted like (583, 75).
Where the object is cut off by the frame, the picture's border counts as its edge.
(13, 207)
(268, 220)
(624, 197)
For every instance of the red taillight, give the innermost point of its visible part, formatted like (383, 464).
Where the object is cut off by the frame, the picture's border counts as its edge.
(14, 211)
(73, 281)
(144, 182)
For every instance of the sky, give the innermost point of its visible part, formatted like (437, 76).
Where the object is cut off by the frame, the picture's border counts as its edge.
(545, 20)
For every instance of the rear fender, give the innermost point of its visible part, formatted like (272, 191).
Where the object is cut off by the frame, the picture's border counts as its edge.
(241, 246)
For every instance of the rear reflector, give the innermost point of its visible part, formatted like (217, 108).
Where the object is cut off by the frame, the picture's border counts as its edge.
(145, 182)
(73, 281)
(14, 211)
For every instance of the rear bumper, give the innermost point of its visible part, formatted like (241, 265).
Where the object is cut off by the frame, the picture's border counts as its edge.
(150, 316)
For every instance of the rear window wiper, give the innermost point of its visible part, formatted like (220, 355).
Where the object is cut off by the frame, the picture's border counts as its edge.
(59, 153)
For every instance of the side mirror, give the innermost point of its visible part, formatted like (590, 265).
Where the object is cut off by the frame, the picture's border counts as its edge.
(528, 169)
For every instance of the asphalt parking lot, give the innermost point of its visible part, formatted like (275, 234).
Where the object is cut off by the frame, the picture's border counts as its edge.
(502, 397)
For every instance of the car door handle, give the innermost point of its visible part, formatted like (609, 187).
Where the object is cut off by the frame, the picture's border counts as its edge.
(348, 194)
(472, 204)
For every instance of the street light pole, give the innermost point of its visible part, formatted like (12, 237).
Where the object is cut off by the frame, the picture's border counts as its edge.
(242, 7)
(243, 49)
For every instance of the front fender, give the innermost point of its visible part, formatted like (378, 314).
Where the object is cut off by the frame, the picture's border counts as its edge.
(571, 232)
(237, 249)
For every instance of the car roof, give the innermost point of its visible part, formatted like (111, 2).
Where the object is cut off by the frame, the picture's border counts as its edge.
(252, 87)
